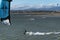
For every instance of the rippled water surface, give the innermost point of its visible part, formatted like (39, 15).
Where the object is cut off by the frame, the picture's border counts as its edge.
(31, 23)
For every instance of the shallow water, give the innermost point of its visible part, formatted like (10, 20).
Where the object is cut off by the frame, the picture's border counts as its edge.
(34, 23)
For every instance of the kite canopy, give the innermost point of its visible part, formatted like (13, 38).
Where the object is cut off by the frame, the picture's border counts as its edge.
(0, 3)
(4, 0)
(4, 8)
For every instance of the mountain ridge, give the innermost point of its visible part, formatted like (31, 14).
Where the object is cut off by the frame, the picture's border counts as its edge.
(38, 8)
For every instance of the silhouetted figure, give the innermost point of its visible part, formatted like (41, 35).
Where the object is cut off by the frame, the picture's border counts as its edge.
(25, 32)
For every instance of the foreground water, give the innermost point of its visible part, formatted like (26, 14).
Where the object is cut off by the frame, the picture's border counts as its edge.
(31, 23)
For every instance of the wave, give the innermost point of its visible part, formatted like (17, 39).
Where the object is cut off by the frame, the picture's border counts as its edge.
(42, 33)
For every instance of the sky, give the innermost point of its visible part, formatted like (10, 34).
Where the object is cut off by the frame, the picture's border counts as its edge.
(34, 2)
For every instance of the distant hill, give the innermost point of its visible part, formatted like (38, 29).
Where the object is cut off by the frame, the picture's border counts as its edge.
(37, 8)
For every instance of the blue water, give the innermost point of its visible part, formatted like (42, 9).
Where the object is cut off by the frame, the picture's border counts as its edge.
(34, 23)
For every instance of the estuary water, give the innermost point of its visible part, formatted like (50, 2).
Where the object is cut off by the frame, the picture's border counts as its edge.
(31, 24)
